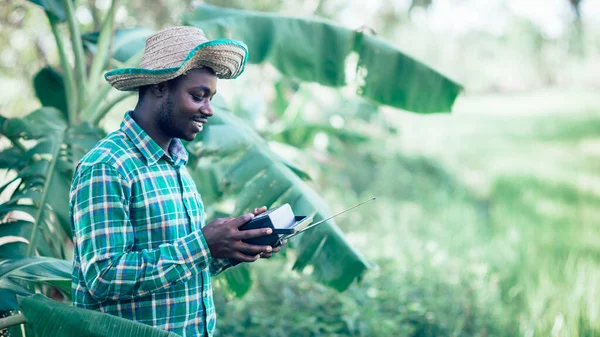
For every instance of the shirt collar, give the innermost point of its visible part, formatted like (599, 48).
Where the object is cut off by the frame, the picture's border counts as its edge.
(148, 147)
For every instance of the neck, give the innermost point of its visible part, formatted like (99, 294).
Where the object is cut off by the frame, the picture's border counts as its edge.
(145, 119)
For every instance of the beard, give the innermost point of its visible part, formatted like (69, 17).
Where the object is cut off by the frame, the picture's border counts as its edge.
(166, 120)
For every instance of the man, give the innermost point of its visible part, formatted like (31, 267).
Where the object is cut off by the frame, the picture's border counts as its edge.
(142, 249)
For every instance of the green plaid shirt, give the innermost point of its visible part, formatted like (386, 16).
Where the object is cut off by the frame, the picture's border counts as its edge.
(136, 218)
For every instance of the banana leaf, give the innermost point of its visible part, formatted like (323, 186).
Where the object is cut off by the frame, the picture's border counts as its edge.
(18, 276)
(315, 50)
(50, 89)
(257, 176)
(38, 211)
(50, 318)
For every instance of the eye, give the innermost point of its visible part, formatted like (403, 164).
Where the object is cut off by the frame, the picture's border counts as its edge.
(197, 98)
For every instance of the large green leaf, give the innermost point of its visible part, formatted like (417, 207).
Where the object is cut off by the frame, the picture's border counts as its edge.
(258, 177)
(50, 318)
(12, 158)
(42, 182)
(33, 190)
(50, 89)
(17, 276)
(239, 280)
(315, 50)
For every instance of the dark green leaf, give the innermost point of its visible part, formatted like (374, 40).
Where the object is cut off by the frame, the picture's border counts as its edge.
(15, 128)
(48, 119)
(12, 158)
(19, 228)
(8, 294)
(60, 185)
(81, 139)
(16, 275)
(48, 166)
(395, 79)
(239, 279)
(315, 50)
(50, 89)
(4, 209)
(311, 50)
(50, 318)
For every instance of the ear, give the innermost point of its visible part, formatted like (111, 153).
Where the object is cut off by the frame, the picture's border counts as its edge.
(160, 89)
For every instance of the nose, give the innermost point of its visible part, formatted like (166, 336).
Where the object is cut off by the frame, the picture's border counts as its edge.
(206, 109)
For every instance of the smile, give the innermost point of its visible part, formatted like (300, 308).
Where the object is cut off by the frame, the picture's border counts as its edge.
(200, 120)
(198, 124)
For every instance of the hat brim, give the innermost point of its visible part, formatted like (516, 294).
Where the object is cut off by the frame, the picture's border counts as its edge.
(227, 58)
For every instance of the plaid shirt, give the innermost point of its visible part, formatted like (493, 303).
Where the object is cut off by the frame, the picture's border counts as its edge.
(136, 218)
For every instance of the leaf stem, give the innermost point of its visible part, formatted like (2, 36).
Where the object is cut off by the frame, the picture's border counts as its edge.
(103, 46)
(93, 108)
(11, 321)
(78, 52)
(99, 114)
(66, 68)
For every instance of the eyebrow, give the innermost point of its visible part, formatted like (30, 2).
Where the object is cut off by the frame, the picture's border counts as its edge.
(205, 89)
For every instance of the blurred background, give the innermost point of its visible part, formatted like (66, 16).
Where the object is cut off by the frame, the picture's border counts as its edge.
(486, 219)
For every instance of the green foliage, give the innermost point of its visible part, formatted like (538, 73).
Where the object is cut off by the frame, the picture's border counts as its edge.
(233, 161)
(50, 318)
(239, 163)
(50, 89)
(397, 300)
(55, 7)
(21, 276)
(316, 51)
(37, 220)
(127, 43)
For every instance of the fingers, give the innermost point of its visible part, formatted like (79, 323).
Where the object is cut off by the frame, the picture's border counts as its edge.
(253, 249)
(239, 221)
(268, 255)
(259, 210)
(245, 258)
(252, 233)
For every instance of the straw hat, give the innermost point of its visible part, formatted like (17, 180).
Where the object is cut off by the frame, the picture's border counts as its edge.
(171, 52)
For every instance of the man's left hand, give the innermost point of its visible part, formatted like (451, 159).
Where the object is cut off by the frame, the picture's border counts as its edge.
(257, 211)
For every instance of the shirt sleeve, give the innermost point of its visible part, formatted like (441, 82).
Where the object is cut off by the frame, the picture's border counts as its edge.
(104, 240)
(217, 266)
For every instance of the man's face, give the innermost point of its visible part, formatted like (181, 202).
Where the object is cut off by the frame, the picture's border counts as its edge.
(186, 106)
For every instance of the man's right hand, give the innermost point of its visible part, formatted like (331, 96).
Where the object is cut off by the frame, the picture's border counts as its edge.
(225, 239)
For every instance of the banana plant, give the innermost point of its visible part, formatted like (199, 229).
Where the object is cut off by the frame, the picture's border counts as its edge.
(19, 276)
(316, 50)
(230, 159)
(51, 318)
